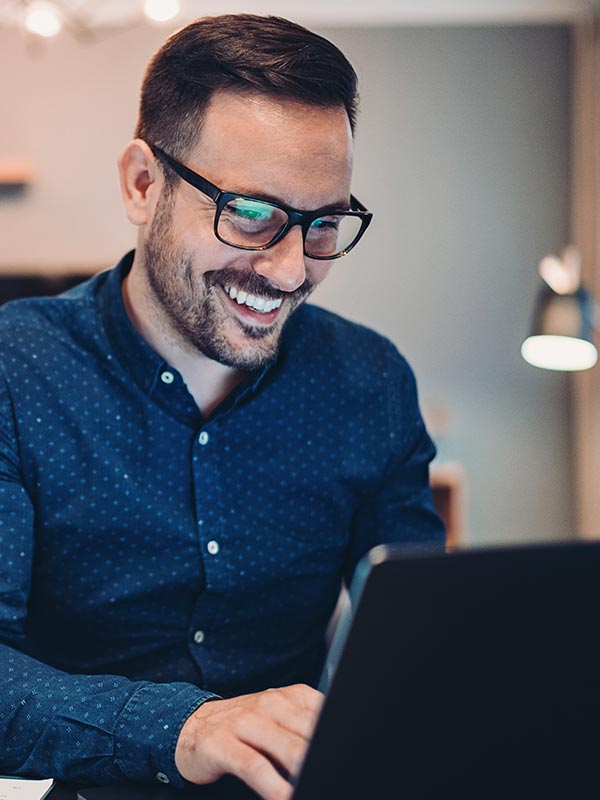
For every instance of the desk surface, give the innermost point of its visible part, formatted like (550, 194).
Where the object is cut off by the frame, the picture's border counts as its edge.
(226, 789)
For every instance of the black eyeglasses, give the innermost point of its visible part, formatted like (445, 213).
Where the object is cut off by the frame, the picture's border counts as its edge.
(252, 224)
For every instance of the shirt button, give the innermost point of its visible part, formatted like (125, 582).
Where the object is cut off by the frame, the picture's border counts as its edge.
(167, 377)
(203, 438)
(213, 547)
(199, 637)
(160, 776)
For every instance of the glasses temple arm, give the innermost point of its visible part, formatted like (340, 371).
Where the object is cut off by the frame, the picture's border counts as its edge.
(356, 205)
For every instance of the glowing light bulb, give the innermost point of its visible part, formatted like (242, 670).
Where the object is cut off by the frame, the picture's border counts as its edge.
(42, 19)
(559, 352)
(161, 10)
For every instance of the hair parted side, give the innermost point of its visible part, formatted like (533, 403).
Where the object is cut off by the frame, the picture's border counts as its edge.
(242, 53)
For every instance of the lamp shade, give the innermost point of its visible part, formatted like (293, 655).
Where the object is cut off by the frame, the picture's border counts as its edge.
(561, 331)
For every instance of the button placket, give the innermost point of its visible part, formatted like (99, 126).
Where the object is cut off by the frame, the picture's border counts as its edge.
(207, 463)
(212, 546)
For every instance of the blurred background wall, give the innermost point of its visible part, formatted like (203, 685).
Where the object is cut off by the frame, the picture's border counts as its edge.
(462, 153)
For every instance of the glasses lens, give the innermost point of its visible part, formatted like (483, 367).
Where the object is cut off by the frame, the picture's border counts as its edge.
(250, 223)
(330, 235)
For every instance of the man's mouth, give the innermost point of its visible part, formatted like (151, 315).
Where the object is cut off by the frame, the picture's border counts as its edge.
(265, 306)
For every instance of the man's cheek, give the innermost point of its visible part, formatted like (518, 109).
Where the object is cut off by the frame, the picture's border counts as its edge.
(317, 271)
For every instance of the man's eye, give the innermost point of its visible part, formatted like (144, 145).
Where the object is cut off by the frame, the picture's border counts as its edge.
(325, 224)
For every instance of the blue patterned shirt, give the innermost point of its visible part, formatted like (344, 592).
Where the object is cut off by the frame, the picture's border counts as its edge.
(150, 557)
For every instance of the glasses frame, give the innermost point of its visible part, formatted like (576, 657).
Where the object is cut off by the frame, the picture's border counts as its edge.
(295, 217)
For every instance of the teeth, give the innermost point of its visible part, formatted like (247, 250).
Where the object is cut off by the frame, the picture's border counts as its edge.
(271, 305)
(260, 304)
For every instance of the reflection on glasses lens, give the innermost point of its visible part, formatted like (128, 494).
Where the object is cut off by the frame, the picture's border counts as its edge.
(328, 236)
(250, 223)
(244, 222)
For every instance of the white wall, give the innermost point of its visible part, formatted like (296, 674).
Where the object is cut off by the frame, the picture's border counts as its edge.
(462, 153)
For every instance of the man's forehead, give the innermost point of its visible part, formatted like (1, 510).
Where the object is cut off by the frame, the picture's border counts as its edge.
(249, 142)
(258, 122)
(269, 108)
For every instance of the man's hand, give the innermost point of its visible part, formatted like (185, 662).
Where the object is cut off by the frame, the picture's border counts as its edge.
(254, 736)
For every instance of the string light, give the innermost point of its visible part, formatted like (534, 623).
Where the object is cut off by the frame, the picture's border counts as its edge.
(42, 19)
(161, 10)
(89, 21)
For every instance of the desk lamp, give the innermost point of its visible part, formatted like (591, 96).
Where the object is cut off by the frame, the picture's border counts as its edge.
(563, 318)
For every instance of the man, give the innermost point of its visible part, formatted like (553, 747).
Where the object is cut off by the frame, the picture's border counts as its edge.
(191, 460)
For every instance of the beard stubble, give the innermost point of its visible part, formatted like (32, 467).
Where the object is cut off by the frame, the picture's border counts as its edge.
(193, 305)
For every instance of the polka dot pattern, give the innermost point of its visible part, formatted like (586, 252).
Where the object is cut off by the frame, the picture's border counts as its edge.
(151, 558)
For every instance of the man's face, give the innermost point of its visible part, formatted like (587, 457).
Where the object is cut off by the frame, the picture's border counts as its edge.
(294, 154)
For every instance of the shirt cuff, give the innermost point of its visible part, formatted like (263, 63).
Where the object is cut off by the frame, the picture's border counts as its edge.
(147, 730)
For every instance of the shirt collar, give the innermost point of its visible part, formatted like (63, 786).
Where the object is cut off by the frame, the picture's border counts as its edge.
(146, 367)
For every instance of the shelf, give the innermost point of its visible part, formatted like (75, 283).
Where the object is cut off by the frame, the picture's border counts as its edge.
(16, 171)
(448, 488)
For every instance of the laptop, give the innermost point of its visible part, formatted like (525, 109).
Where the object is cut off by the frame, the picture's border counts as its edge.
(474, 674)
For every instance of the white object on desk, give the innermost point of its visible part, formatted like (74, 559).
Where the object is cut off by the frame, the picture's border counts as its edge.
(24, 788)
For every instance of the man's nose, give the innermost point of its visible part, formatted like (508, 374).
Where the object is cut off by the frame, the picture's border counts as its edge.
(283, 264)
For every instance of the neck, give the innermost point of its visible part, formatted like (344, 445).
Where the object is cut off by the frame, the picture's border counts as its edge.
(208, 382)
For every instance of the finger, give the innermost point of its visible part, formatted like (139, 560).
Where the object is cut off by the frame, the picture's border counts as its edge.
(280, 745)
(256, 771)
(293, 711)
(305, 696)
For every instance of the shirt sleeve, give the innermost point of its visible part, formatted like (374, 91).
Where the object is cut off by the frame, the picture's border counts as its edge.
(401, 509)
(88, 728)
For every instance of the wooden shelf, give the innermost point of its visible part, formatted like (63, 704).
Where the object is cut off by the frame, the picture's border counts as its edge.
(448, 488)
(16, 172)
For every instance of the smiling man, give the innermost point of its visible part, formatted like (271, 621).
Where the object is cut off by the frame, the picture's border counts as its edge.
(213, 289)
(192, 459)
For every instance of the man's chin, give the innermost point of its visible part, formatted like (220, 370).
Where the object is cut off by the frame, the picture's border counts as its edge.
(239, 342)
(246, 361)
(245, 346)
(244, 352)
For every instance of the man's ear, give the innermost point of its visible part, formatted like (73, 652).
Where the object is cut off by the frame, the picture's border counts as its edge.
(140, 178)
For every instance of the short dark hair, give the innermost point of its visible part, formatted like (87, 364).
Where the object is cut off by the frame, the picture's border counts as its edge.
(243, 53)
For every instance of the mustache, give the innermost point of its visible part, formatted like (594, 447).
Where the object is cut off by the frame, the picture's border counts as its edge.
(251, 283)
